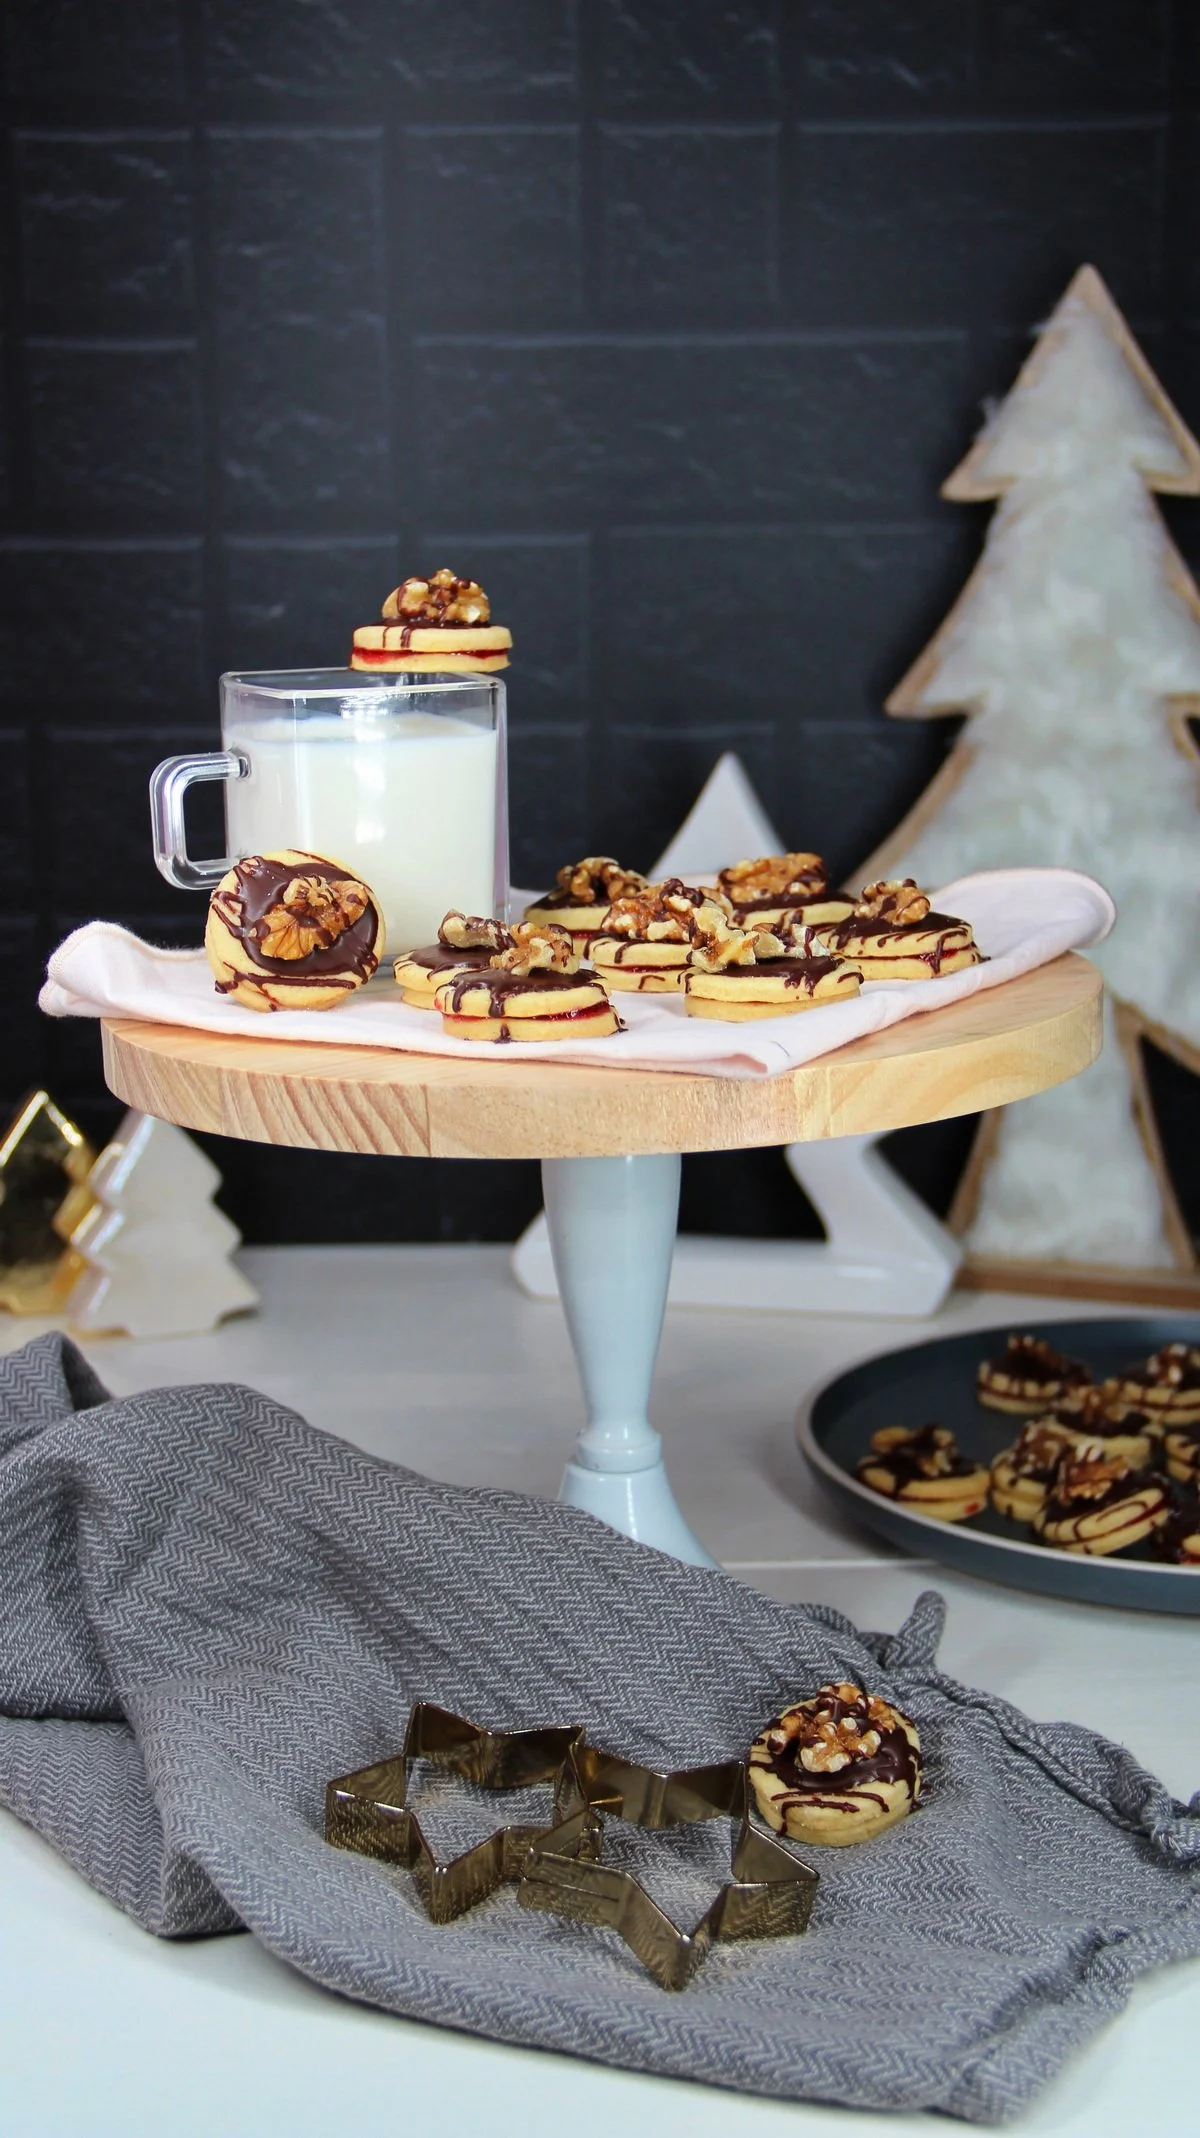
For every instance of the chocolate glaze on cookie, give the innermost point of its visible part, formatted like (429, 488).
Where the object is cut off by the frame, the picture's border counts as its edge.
(894, 1761)
(349, 959)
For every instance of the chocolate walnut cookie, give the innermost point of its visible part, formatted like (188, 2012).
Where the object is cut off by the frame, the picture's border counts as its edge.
(292, 931)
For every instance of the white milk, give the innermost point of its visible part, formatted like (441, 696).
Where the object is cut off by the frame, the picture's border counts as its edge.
(406, 799)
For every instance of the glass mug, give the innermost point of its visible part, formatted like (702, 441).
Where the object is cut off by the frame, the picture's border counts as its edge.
(402, 777)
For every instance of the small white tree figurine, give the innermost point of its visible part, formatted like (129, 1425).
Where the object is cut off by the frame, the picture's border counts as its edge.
(156, 1248)
(1075, 647)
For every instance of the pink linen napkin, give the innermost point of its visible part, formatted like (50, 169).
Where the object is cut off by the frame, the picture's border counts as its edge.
(1021, 917)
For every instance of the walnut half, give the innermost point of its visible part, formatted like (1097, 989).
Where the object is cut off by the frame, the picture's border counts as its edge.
(312, 913)
(796, 876)
(473, 931)
(668, 912)
(538, 947)
(440, 599)
(898, 899)
(597, 880)
(825, 1738)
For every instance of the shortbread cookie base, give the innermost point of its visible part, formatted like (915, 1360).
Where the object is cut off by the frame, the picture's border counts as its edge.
(910, 966)
(579, 921)
(1101, 1532)
(855, 1817)
(1021, 1402)
(439, 664)
(811, 912)
(633, 968)
(945, 1499)
(1018, 1498)
(733, 1012)
(598, 1023)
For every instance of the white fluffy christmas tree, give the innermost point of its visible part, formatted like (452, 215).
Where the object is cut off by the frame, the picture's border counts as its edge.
(1077, 629)
(156, 1248)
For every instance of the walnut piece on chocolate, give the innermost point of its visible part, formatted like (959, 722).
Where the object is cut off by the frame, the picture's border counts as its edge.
(722, 944)
(597, 880)
(441, 599)
(537, 947)
(474, 931)
(824, 1741)
(796, 876)
(311, 915)
(668, 912)
(1089, 1474)
(899, 900)
(931, 1449)
(1038, 1449)
(1169, 1367)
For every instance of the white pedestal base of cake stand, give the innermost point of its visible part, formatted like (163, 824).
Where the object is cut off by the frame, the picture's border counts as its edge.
(612, 1233)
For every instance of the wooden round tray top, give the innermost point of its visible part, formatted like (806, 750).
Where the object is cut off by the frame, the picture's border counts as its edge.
(993, 1047)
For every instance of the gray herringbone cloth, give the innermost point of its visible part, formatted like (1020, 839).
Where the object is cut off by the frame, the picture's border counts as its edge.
(208, 1608)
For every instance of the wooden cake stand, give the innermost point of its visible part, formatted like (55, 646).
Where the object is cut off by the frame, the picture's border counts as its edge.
(610, 1141)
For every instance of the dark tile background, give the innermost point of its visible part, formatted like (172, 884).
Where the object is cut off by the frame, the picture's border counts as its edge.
(663, 317)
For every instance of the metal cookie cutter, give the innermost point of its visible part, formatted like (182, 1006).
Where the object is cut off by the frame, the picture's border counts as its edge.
(367, 1811)
(769, 1894)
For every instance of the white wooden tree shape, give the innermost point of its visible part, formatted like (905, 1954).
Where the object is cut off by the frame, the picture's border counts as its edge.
(156, 1248)
(1075, 648)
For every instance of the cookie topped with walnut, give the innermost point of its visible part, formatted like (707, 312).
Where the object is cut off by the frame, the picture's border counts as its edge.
(776, 887)
(441, 625)
(583, 896)
(840, 1767)
(292, 931)
(1028, 1378)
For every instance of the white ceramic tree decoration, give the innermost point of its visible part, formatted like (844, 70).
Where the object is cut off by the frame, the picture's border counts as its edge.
(1075, 648)
(158, 1251)
(882, 1248)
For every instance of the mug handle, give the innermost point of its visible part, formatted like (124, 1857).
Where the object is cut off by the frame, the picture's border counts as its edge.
(169, 783)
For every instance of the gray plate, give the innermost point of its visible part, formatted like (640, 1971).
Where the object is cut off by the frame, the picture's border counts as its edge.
(935, 1383)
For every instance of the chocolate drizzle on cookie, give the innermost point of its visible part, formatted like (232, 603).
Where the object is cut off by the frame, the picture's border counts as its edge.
(260, 882)
(501, 985)
(927, 1452)
(440, 957)
(894, 1759)
(952, 936)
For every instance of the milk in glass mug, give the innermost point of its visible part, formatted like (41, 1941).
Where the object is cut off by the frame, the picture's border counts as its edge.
(401, 777)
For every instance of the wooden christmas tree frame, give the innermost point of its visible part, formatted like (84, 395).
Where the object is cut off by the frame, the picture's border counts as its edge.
(923, 694)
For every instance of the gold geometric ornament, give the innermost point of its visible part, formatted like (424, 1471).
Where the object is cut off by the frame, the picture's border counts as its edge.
(44, 1165)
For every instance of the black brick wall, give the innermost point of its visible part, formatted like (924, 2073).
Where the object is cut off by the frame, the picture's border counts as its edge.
(663, 317)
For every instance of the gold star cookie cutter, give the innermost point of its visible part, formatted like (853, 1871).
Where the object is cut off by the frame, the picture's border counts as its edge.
(557, 1867)
(367, 1811)
(769, 1893)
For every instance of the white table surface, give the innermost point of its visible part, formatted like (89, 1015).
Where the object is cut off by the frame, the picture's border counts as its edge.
(105, 2031)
